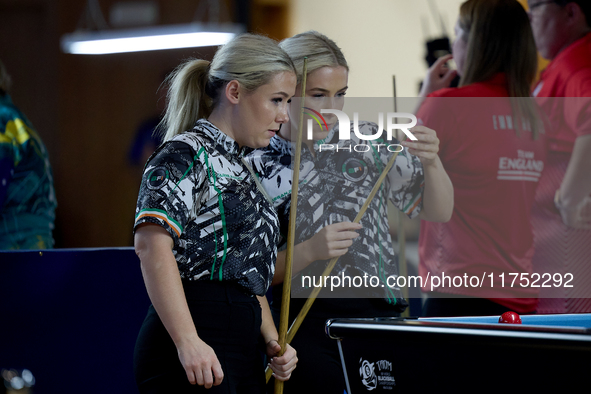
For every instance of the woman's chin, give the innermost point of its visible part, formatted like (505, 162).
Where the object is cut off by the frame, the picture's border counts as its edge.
(319, 135)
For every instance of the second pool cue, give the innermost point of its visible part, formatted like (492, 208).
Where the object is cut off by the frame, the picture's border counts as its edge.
(401, 234)
(284, 314)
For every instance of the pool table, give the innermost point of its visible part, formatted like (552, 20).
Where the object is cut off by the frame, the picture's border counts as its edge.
(546, 353)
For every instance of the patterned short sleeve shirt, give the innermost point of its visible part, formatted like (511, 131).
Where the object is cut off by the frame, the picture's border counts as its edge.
(333, 187)
(199, 189)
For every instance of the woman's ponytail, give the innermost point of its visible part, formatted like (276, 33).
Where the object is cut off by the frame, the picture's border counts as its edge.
(187, 97)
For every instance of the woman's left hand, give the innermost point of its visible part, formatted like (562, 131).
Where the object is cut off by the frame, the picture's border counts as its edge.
(426, 147)
(284, 365)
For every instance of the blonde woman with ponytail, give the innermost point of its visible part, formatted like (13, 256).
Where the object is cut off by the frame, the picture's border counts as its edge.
(204, 232)
(329, 198)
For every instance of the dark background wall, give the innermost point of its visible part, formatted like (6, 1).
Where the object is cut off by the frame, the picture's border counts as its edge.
(87, 108)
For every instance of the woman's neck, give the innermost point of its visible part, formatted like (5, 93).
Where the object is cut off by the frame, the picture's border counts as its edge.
(219, 118)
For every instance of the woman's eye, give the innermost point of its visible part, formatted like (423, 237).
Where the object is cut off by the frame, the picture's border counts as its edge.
(289, 101)
(342, 94)
(278, 100)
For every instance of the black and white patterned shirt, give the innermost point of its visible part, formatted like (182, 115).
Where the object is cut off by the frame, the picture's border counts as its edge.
(333, 187)
(198, 188)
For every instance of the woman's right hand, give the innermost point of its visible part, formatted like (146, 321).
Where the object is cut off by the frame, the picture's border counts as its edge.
(438, 76)
(578, 217)
(332, 241)
(201, 363)
(153, 245)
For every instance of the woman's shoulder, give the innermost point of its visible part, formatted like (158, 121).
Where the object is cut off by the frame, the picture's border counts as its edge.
(203, 136)
(494, 87)
(181, 150)
(446, 92)
(194, 140)
(472, 90)
(199, 146)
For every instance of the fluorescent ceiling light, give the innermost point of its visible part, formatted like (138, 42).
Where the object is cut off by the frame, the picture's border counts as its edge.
(149, 39)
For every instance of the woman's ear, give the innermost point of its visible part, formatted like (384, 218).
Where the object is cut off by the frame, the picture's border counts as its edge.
(576, 14)
(233, 91)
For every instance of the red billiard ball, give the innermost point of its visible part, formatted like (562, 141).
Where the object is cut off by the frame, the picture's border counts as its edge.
(510, 318)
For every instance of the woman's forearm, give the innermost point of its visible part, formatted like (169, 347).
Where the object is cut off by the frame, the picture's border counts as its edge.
(301, 259)
(438, 196)
(576, 184)
(268, 329)
(163, 282)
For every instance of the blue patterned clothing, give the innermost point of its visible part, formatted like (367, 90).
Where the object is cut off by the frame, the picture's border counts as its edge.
(27, 196)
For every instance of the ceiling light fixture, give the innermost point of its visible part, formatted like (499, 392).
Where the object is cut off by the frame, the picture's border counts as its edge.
(147, 39)
(105, 41)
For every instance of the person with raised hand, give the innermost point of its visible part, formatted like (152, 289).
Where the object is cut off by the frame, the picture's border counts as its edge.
(332, 188)
(492, 145)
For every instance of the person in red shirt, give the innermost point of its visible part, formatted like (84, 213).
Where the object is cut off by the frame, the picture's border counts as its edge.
(561, 216)
(493, 149)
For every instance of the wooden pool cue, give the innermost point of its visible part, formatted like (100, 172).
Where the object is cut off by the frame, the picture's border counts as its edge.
(284, 314)
(401, 234)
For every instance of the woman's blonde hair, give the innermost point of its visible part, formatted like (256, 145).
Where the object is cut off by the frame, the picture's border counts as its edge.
(500, 40)
(320, 50)
(195, 85)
